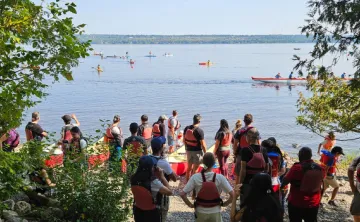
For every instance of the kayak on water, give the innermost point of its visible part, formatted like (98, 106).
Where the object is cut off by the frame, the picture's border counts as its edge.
(287, 80)
(205, 63)
(150, 56)
(99, 70)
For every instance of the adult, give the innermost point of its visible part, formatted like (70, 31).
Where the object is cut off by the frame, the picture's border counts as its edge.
(291, 75)
(278, 76)
(195, 145)
(254, 159)
(33, 130)
(76, 153)
(328, 143)
(343, 76)
(157, 145)
(306, 178)
(329, 161)
(135, 144)
(9, 140)
(354, 170)
(145, 130)
(65, 130)
(174, 126)
(159, 128)
(208, 187)
(115, 137)
(237, 127)
(147, 184)
(240, 142)
(222, 148)
(261, 204)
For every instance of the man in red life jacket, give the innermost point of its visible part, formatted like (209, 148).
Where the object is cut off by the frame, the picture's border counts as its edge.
(254, 159)
(65, 130)
(174, 126)
(195, 145)
(354, 181)
(329, 160)
(241, 142)
(306, 179)
(159, 128)
(145, 130)
(33, 130)
(208, 186)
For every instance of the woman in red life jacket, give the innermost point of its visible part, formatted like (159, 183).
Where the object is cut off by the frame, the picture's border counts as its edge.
(222, 148)
(147, 184)
(328, 143)
(261, 203)
(208, 186)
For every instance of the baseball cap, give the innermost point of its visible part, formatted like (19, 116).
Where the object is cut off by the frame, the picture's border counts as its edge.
(146, 162)
(163, 117)
(337, 149)
(158, 142)
(66, 118)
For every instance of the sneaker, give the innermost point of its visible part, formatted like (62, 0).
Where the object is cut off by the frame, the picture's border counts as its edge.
(332, 203)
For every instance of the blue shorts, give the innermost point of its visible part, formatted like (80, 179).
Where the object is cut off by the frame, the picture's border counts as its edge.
(171, 141)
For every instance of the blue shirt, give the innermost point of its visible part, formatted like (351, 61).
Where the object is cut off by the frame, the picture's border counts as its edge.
(290, 76)
(343, 75)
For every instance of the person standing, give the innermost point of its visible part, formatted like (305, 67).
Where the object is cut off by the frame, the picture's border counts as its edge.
(195, 145)
(33, 130)
(173, 125)
(254, 159)
(159, 128)
(329, 161)
(114, 135)
(157, 145)
(208, 187)
(328, 143)
(145, 130)
(65, 130)
(354, 181)
(222, 148)
(306, 179)
(135, 142)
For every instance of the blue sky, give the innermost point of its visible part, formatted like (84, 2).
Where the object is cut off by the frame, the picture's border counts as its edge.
(191, 16)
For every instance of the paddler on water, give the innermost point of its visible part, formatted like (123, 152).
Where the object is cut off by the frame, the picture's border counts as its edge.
(208, 63)
(291, 75)
(278, 76)
(98, 68)
(343, 76)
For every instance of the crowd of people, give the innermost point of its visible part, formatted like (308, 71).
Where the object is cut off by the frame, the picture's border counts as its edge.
(262, 179)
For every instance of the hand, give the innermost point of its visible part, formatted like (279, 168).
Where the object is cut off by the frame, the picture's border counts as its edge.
(319, 153)
(191, 205)
(73, 116)
(237, 190)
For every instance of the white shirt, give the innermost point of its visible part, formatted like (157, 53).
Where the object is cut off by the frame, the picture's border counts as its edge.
(196, 181)
(173, 123)
(156, 185)
(164, 165)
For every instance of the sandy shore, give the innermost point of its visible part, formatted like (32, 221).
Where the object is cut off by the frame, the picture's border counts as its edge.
(179, 212)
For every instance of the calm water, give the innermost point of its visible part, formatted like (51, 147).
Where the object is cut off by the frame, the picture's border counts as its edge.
(158, 85)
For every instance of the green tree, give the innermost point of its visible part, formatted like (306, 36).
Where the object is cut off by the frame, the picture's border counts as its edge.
(38, 42)
(334, 105)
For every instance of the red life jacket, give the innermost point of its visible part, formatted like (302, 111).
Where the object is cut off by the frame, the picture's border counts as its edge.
(275, 159)
(136, 146)
(242, 141)
(67, 134)
(147, 132)
(29, 135)
(312, 179)
(190, 139)
(257, 163)
(208, 195)
(156, 132)
(325, 158)
(226, 141)
(143, 198)
(177, 126)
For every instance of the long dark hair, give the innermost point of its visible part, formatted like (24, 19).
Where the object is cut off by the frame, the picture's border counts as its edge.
(261, 202)
(143, 177)
(224, 127)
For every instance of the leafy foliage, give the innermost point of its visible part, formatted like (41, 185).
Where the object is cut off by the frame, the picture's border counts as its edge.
(334, 26)
(36, 43)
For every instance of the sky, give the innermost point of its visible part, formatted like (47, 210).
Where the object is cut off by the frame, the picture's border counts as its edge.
(179, 17)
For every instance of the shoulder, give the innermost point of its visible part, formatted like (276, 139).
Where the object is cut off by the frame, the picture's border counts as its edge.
(199, 130)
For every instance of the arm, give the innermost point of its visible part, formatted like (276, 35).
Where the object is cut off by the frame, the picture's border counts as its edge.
(203, 145)
(44, 133)
(235, 215)
(76, 120)
(186, 200)
(242, 173)
(319, 148)
(351, 180)
(217, 143)
(282, 171)
(228, 202)
(173, 177)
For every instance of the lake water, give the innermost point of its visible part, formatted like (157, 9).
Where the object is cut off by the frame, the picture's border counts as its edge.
(156, 86)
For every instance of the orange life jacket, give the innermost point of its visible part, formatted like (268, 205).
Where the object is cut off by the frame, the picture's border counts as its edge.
(208, 195)
(29, 135)
(177, 126)
(147, 132)
(329, 143)
(226, 141)
(156, 132)
(243, 142)
(143, 198)
(190, 139)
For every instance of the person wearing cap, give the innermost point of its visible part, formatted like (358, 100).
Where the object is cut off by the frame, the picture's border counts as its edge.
(157, 145)
(159, 128)
(354, 181)
(254, 159)
(329, 160)
(151, 179)
(145, 130)
(195, 146)
(33, 130)
(174, 126)
(134, 145)
(68, 125)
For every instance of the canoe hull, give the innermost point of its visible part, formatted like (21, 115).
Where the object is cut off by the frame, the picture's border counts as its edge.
(281, 80)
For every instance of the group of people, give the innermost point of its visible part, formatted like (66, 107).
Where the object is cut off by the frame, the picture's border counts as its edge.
(260, 170)
(291, 75)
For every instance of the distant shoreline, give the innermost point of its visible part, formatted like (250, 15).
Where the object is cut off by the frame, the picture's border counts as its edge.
(194, 39)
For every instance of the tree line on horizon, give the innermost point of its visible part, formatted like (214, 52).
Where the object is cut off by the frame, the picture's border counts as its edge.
(193, 39)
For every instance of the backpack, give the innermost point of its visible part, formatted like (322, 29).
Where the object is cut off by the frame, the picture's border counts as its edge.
(67, 134)
(242, 137)
(190, 139)
(257, 163)
(12, 141)
(146, 132)
(208, 195)
(312, 179)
